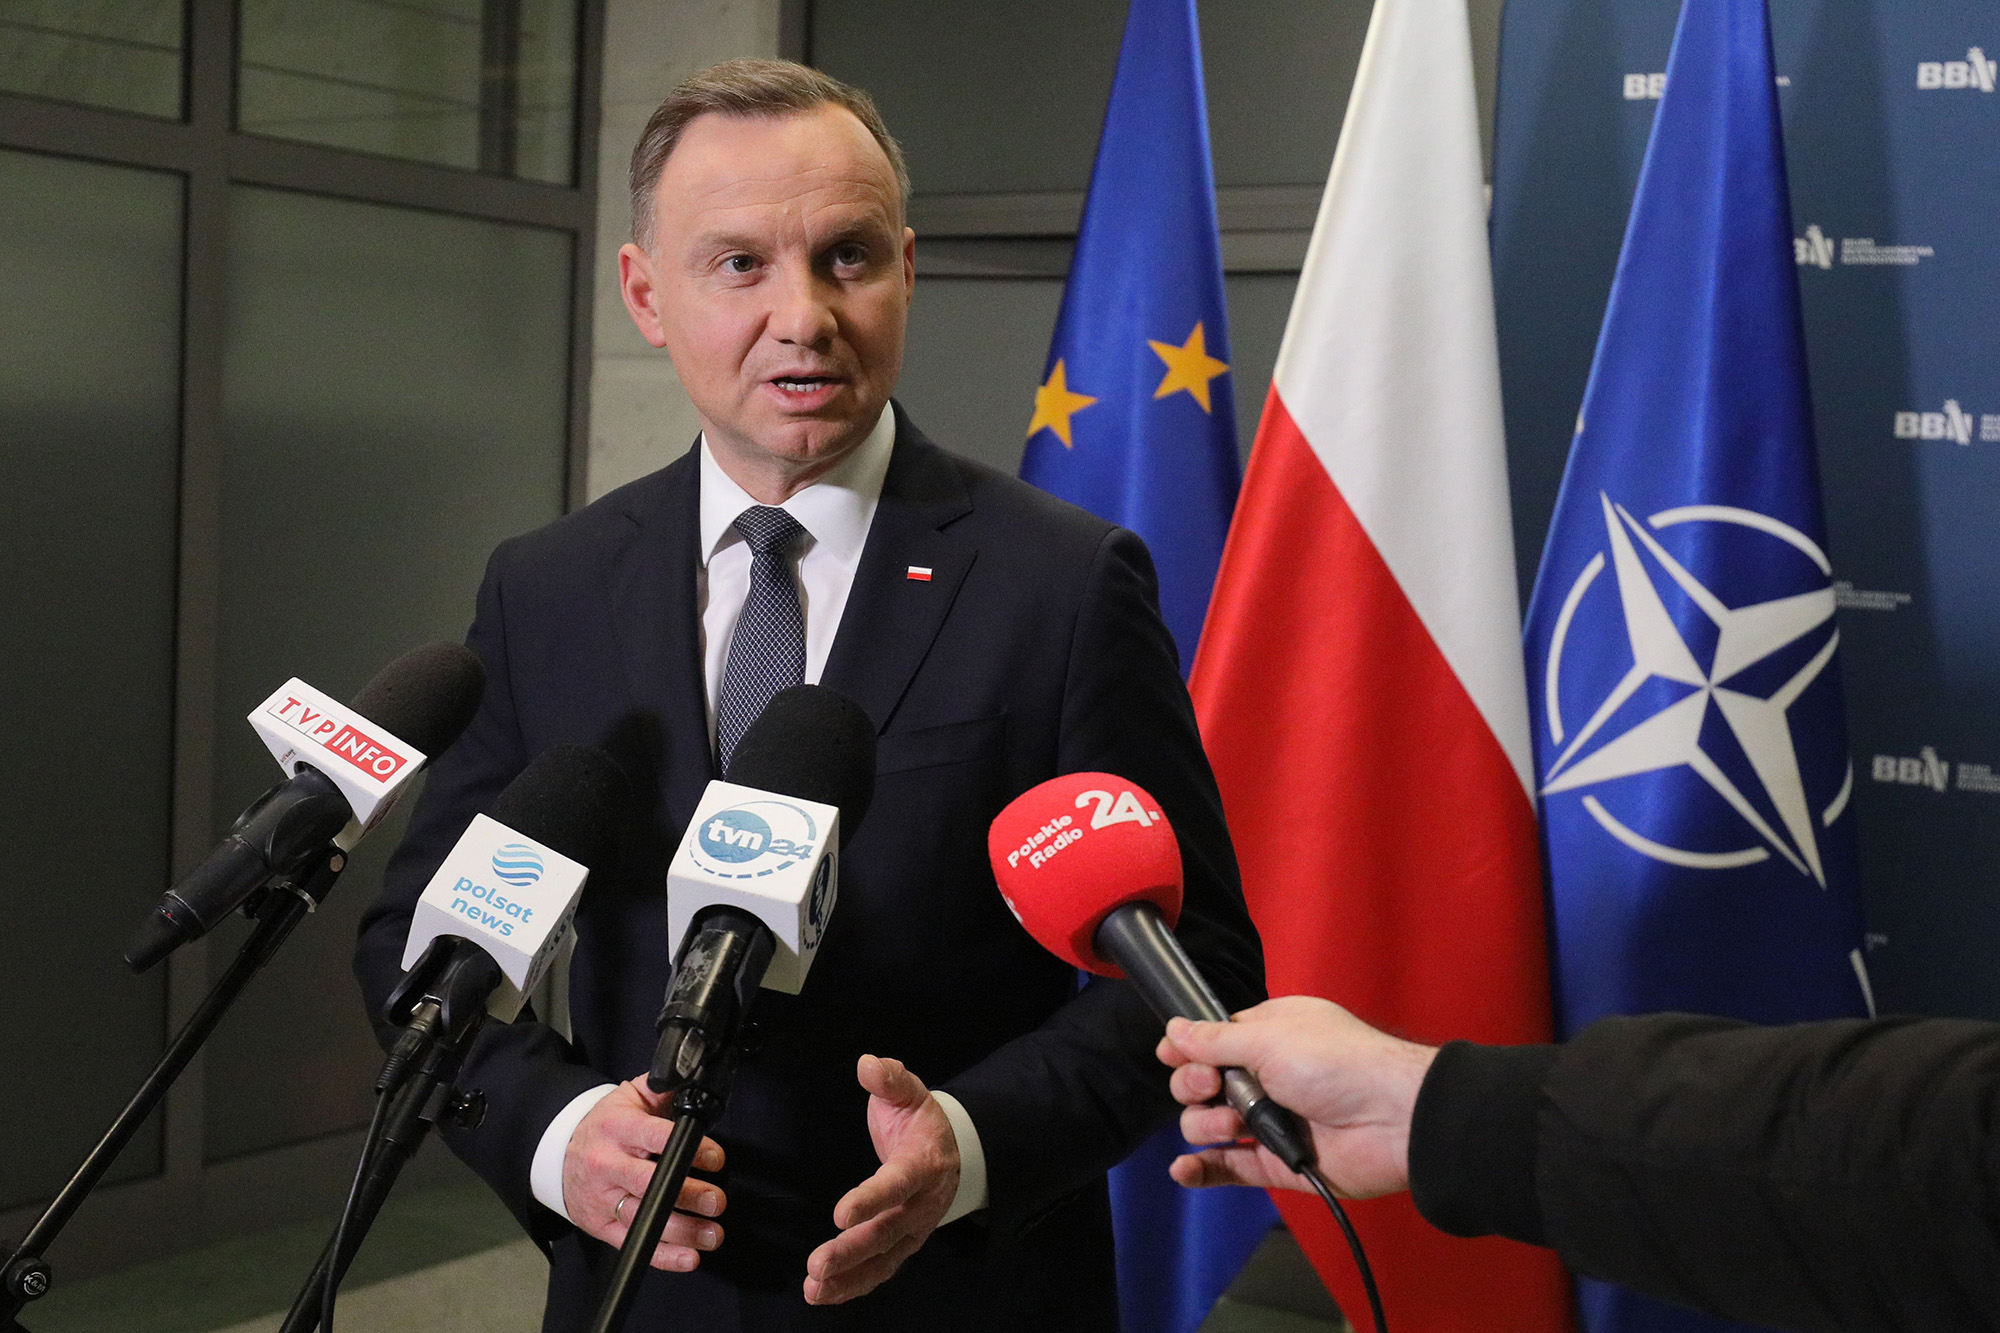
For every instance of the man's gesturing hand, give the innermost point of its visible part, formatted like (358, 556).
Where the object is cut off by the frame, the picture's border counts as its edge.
(607, 1163)
(888, 1217)
(1354, 1086)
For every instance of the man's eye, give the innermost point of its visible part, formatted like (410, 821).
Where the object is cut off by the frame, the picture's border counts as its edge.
(739, 263)
(850, 256)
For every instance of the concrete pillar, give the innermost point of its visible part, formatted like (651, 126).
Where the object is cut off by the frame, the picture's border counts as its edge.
(639, 417)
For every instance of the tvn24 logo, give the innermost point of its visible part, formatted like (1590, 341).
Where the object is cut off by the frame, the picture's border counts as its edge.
(755, 839)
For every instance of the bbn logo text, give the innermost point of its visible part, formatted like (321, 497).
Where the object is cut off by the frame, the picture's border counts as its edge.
(1974, 72)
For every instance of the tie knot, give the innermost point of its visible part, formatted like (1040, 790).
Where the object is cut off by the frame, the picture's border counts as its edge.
(768, 529)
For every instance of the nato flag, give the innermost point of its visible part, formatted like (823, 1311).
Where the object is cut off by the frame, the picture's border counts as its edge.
(1134, 421)
(1682, 645)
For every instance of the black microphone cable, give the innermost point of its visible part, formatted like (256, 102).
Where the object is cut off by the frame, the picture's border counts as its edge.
(1281, 1135)
(1312, 1174)
(371, 1143)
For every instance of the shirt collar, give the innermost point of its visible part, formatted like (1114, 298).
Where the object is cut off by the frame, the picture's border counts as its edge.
(836, 509)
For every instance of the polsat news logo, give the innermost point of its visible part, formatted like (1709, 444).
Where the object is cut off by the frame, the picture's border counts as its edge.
(339, 739)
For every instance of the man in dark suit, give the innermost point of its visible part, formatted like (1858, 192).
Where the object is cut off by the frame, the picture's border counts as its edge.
(995, 636)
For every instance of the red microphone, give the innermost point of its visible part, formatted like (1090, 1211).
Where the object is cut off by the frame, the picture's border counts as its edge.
(1090, 867)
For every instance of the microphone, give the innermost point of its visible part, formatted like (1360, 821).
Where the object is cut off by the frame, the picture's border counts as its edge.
(753, 882)
(499, 910)
(1091, 869)
(346, 766)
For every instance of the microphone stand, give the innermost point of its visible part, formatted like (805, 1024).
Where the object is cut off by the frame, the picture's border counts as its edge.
(717, 972)
(443, 1002)
(697, 1106)
(25, 1275)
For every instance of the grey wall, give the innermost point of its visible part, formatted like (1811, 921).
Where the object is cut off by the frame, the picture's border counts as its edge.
(998, 109)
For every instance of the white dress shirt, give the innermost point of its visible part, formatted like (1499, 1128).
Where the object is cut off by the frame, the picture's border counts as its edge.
(836, 512)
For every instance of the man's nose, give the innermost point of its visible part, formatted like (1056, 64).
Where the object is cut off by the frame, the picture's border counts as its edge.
(802, 313)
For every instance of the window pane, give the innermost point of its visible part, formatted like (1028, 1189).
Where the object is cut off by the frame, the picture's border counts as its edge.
(90, 318)
(488, 85)
(395, 402)
(122, 54)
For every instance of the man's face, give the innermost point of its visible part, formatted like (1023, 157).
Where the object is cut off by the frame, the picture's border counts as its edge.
(778, 279)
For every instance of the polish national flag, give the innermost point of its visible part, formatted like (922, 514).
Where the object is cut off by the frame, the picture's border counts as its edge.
(1360, 681)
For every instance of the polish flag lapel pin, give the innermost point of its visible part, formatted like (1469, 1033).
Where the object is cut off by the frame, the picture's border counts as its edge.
(918, 574)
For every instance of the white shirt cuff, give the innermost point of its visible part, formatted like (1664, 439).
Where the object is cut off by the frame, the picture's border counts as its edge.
(971, 1196)
(545, 1173)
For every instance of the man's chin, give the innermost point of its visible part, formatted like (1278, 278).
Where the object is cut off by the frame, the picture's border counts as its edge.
(798, 441)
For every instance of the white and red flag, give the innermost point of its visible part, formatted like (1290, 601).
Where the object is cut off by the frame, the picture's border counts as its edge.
(1360, 680)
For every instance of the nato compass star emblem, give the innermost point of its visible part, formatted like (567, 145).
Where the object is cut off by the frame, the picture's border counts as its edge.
(1738, 664)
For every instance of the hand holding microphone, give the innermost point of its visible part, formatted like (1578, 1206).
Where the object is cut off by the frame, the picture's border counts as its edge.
(1355, 1087)
(1090, 867)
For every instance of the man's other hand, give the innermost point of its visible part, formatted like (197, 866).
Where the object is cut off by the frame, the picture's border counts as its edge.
(1355, 1087)
(888, 1217)
(607, 1167)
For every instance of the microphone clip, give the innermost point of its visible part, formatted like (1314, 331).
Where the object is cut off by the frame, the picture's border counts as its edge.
(715, 979)
(440, 1004)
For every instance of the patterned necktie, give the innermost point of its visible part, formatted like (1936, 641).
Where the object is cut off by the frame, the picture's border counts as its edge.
(767, 653)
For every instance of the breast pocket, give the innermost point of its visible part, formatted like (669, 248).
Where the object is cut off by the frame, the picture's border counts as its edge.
(975, 740)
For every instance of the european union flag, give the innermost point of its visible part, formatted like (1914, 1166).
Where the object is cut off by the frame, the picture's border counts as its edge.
(1134, 421)
(1682, 646)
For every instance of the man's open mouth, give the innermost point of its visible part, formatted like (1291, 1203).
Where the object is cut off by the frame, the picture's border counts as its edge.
(804, 383)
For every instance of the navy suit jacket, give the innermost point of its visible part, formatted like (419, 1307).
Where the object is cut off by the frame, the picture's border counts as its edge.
(1035, 649)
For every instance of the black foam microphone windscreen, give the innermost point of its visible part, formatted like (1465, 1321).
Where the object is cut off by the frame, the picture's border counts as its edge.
(570, 798)
(813, 743)
(426, 697)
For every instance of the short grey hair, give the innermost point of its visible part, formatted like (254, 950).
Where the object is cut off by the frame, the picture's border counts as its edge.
(747, 87)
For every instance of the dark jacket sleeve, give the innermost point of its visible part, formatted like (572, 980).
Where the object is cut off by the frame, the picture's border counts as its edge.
(527, 1072)
(1059, 1106)
(1840, 1175)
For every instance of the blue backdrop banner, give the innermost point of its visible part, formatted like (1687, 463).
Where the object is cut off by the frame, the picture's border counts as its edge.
(1889, 128)
(1134, 421)
(1682, 653)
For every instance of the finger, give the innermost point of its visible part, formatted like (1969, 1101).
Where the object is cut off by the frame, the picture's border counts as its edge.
(1232, 1166)
(896, 1183)
(890, 1080)
(1237, 1044)
(636, 1133)
(654, 1102)
(860, 1281)
(1195, 1085)
(859, 1244)
(1212, 1124)
(1169, 1054)
(697, 1197)
(681, 1244)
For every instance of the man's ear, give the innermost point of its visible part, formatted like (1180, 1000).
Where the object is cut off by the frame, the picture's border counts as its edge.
(635, 284)
(909, 259)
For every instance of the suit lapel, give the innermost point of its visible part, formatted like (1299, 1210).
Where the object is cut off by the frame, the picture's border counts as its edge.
(653, 607)
(891, 617)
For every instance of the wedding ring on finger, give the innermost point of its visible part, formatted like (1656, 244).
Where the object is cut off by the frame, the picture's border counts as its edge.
(618, 1209)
